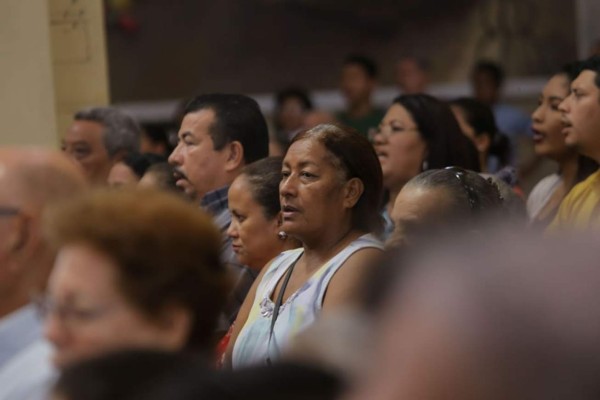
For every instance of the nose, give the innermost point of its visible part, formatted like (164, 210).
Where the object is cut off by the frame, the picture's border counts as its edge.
(232, 231)
(538, 114)
(287, 187)
(54, 330)
(565, 106)
(175, 157)
(379, 138)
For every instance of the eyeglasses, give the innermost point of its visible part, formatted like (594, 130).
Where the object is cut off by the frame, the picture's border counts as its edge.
(70, 315)
(471, 195)
(388, 131)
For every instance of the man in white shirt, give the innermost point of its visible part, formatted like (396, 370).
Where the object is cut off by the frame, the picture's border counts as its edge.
(31, 179)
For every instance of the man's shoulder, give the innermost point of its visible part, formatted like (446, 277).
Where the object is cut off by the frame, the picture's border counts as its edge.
(579, 204)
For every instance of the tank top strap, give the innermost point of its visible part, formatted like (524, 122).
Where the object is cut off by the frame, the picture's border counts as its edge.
(276, 270)
(328, 270)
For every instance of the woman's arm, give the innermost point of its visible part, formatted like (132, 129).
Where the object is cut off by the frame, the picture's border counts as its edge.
(242, 316)
(347, 286)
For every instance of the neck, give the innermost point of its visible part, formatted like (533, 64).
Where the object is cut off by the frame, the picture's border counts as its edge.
(393, 194)
(317, 252)
(360, 109)
(568, 171)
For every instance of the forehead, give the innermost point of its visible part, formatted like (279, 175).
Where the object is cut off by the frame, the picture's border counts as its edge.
(308, 150)
(84, 131)
(354, 70)
(586, 79)
(240, 187)
(291, 101)
(399, 113)
(198, 123)
(408, 64)
(7, 180)
(81, 269)
(558, 83)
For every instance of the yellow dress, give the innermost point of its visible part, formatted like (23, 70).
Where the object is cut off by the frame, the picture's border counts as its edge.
(580, 210)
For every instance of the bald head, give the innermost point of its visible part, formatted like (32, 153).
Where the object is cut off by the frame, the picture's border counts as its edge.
(34, 177)
(511, 316)
(30, 180)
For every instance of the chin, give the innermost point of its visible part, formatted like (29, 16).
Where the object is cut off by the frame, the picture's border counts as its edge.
(541, 150)
(571, 141)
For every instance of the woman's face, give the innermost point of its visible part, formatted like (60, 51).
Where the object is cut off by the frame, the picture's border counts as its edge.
(312, 191)
(87, 313)
(548, 139)
(254, 237)
(399, 147)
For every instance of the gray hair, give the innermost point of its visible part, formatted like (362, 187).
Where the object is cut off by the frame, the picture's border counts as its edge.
(121, 132)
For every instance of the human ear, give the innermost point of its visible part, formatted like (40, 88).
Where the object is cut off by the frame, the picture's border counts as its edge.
(353, 189)
(235, 156)
(20, 233)
(17, 246)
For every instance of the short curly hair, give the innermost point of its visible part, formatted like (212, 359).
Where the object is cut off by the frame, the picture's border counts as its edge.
(166, 252)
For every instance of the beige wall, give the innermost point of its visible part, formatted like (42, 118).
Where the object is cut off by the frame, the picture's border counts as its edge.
(52, 61)
(78, 46)
(26, 84)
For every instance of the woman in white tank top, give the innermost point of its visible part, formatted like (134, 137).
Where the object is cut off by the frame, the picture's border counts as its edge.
(330, 195)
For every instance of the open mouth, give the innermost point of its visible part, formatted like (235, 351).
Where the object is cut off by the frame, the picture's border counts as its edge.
(538, 136)
(288, 211)
(381, 154)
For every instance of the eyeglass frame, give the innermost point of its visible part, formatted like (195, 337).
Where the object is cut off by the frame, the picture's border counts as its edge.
(372, 132)
(8, 211)
(68, 315)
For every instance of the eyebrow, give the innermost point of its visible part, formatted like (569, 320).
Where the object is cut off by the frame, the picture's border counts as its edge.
(186, 134)
(395, 120)
(301, 164)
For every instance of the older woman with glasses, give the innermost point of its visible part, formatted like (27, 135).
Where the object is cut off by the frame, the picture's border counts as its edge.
(442, 201)
(418, 132)
(135, 269)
